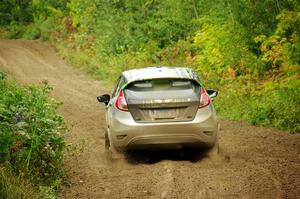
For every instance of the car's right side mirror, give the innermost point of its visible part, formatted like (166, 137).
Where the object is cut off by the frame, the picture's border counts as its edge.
(212, 93)
(104, 98)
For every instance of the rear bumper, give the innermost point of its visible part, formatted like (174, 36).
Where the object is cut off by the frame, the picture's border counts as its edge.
(125, 133)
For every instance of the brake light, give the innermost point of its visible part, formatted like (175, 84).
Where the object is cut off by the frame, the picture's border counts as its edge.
(204, 98)
(121, 103)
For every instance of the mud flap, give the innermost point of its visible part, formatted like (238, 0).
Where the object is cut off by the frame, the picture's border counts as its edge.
(215, 149)
(111, 154)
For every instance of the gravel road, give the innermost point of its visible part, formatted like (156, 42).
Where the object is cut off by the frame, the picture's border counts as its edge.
(254, 162)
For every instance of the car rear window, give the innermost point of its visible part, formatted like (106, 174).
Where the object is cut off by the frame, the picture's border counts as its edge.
(162, 84)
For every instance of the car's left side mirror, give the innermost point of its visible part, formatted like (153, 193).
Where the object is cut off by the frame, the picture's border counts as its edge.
(104, 98)
(212, 93)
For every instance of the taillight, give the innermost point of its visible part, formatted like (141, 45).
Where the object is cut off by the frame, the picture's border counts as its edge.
(121, 103)
(204, 98)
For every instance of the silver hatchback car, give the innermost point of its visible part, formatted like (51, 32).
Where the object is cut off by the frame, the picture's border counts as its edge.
(160, 108)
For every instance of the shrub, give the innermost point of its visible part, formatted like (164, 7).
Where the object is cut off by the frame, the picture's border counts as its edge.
(272, 105)
(31, 141)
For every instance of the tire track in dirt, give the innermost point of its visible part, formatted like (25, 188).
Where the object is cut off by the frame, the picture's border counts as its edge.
(255, 162)
(166, 185)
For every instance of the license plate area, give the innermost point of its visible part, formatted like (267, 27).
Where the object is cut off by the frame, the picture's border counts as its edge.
(164, 113)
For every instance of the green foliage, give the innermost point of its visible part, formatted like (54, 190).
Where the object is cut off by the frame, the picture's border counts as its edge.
(250, 46)
(31, 140)
(275, 105)
(15, 30)
(15, 11)
(282, 49)
(17, 18)
(47, 18)
(230, 44)
(32, 32)
(126, 25)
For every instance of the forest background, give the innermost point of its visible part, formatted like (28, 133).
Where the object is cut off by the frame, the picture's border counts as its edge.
(249, 50)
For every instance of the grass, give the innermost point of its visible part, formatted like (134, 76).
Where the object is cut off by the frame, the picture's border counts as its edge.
(16, 187)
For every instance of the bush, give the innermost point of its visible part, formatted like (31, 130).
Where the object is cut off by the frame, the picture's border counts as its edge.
(15, 30)
(272, 105)
(31, 141)
(32, 32)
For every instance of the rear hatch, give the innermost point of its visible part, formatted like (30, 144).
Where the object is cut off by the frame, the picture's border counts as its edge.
(163, 100)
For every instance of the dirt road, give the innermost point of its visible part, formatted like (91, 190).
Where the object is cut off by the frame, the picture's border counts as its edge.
(254, 162)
